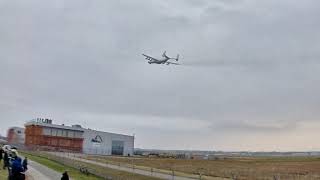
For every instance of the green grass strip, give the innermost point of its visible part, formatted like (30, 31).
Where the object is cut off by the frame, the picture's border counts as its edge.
(73, 173)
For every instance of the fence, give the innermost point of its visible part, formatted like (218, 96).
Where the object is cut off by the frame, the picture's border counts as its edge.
(99, 171)
(131, 167)
(202, 174)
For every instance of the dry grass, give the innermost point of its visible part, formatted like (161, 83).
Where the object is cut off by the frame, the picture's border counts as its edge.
(243, 168)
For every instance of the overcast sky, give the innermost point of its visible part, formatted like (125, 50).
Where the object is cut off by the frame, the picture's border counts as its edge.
(249, 78)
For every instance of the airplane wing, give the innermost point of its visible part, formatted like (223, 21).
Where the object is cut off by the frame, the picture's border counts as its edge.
(149, 57)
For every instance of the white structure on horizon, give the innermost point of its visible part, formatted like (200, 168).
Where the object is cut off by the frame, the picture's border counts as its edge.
(98, 142)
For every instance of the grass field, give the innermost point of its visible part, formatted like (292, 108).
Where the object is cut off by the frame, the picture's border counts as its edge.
(73, 173)
(243, 168)
(44, 159)
(3, 173)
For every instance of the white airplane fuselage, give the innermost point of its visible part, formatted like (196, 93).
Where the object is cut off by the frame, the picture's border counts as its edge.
(164, 60)
(158, 61)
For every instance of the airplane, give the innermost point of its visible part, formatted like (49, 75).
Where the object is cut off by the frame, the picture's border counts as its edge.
(165, 59)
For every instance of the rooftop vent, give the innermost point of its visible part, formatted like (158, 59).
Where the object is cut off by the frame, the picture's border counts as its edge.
(76, 126)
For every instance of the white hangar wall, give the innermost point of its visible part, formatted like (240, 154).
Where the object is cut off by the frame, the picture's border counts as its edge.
(105, 143)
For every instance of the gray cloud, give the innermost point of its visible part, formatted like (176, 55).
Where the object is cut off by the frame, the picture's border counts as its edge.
(250, 69)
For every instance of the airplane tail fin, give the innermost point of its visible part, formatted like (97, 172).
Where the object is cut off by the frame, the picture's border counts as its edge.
(164, 54)
(177, 57)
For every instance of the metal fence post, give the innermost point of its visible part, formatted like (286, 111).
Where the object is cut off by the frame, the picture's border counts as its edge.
(172, 174)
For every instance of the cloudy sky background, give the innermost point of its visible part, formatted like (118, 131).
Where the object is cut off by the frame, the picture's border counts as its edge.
(249, 78)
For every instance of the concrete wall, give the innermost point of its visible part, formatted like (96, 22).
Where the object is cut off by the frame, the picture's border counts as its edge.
(97, 142)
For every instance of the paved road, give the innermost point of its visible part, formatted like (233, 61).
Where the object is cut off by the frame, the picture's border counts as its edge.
(137, 171)
(38, 171)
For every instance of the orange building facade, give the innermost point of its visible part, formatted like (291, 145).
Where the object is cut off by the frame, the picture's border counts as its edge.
(46, 136)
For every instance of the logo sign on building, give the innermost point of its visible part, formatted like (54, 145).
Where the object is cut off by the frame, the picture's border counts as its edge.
(97, 140)
(42, 120)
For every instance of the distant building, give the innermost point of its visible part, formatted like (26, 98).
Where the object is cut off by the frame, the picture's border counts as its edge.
(3, 140)
(98, 142)
(42, 134)
(16, 136)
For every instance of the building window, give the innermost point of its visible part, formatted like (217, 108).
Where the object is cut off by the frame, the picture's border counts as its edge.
(64, 133)
(77, 134)
(47, 131)
(71, 134)
(54, 132)
(59, 132)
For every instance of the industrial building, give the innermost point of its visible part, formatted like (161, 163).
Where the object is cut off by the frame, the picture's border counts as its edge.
(98, 142)
(42, 134)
